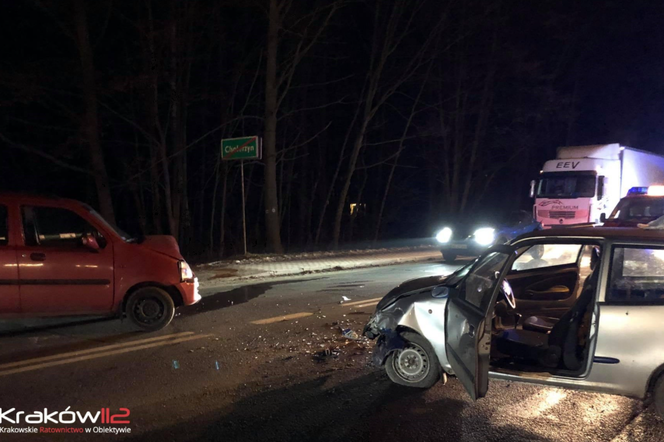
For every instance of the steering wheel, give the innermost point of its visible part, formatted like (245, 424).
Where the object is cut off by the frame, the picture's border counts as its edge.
(508, 293)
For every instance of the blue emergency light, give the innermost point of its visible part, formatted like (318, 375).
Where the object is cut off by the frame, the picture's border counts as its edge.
(637, 191)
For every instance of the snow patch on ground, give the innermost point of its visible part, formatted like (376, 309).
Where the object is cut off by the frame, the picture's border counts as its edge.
(263, 258)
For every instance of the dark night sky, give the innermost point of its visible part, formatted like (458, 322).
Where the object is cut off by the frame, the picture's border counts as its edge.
(592, 71)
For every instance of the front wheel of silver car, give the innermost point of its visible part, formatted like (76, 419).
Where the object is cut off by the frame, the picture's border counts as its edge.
(658, 396)
(414, 365)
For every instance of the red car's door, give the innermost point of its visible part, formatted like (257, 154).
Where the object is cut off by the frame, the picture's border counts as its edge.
(57, 274)
(9, 298)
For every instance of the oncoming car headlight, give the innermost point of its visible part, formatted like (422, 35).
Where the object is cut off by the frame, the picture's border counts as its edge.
(444, 235)
(186, 274)
(485, 236)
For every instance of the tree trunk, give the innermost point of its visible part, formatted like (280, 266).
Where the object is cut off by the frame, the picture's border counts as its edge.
(213, 209)
(222, 215)
(270, 136)
(406, 128)
(175, 130)
(357, 147)
(91, 115)
(337, 171)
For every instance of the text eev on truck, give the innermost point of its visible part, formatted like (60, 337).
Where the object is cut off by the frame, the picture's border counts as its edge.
(585, 182)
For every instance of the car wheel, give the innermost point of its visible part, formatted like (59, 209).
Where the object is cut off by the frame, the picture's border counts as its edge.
(416, 365)
(658, 394)
(449, 257)
(150, 308)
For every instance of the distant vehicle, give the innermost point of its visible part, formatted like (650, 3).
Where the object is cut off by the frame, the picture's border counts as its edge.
(459, 241)
(641, 206)
(584, 183)
(59, 257)
(578, 308)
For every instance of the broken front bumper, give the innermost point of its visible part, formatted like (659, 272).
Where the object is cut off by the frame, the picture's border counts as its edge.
(420, 313)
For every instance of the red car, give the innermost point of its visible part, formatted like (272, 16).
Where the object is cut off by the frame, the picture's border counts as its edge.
(641, 206)
(59, 257)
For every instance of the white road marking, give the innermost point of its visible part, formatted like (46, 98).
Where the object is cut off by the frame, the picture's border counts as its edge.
(282, 318)
(100, 355)
(91, 350)
(362, 302)
(367, 305)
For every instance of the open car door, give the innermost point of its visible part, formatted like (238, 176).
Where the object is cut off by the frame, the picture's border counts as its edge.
(468, 321)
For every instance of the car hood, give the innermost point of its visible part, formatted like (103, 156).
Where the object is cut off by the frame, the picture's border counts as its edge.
(410, 287)
(164, 244)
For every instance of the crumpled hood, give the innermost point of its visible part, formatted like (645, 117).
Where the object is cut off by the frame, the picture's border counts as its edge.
(164, 244)
(413, 285)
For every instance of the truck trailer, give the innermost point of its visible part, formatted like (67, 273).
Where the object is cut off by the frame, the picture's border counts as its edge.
(584, 183)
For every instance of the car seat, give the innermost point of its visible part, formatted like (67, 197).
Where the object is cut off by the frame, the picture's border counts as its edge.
(560, 347)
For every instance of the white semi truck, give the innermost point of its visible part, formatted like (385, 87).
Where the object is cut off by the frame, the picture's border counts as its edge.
(584, 183)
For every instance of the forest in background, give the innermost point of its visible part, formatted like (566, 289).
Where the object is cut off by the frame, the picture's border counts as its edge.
(379, 120)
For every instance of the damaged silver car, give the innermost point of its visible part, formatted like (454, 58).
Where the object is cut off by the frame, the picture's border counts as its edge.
(577, 308)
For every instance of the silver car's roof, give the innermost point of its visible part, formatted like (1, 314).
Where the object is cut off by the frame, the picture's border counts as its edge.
(611, 233)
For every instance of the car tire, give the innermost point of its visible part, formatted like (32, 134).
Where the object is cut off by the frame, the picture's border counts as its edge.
(150, 308)
(449, 258)
(416, 365)
(658, 396)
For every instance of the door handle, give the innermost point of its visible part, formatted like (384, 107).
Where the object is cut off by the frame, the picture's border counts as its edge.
(471, 331)
(468, 329)
(38, 256)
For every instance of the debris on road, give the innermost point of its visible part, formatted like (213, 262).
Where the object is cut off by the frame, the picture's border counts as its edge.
(326, 353)
(350, 334)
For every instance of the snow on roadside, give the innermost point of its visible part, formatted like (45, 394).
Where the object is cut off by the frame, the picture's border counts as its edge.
(264, 258)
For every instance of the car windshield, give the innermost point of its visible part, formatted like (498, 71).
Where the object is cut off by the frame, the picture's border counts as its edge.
(646, 208)
(563, 185)
(121, 233)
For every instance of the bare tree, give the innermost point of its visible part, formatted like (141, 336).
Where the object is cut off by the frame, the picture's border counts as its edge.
(91, 114)
(278, 79)
(400, 148)
(392, 23)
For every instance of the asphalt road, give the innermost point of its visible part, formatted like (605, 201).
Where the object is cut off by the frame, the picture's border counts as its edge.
(230, 369)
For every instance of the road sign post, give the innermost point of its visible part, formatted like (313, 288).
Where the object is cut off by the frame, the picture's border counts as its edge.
(242, 148)
(244, 212)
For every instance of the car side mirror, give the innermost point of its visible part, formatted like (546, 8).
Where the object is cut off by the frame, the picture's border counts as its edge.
(532, 188)
(90, 242)
(602, 217)
(440, 291)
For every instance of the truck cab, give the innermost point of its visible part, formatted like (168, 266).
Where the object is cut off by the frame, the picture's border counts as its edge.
(584, 183)
(573, 192)
(59, 257)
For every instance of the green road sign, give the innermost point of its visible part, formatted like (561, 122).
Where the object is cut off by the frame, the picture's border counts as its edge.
(243, 148)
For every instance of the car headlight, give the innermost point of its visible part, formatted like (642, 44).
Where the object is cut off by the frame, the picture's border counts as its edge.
(186, 274)
(444, 235)
(485, 236)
